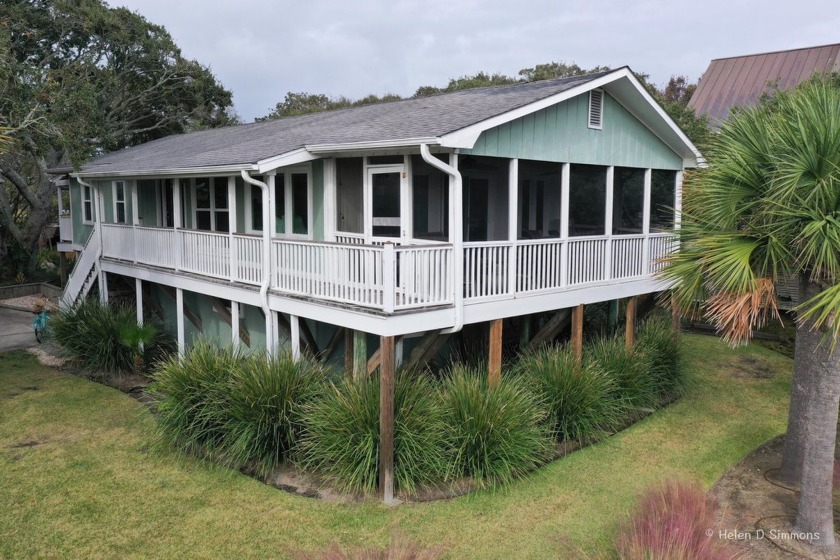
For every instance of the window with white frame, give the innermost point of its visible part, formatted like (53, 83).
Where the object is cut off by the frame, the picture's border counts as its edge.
(119, 202)
(87, 204)
(292, 204)
(211, 210)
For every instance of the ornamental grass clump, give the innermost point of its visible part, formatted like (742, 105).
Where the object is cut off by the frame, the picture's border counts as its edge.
(660, 346)
(674, 521)
(106, 339)
(243, 411)
(341, 433)
(495, 434)
(580, 400)
(636, 385)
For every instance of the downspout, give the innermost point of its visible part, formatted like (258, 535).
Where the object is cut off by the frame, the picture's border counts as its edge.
(267, 212)
(456, 232)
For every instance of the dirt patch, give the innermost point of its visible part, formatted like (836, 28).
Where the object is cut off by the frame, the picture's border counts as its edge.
(747, 367)
(24, 443)
(757, 511)
(32, 303)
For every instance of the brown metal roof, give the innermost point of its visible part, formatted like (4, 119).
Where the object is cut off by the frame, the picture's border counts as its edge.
(740, 80)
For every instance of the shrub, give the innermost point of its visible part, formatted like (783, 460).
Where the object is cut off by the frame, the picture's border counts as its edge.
(580, 400)
(636, 385)
(91, 333)
(244, 411)
(495, 434)
(673, 522)
(661, 348)
(341, 438)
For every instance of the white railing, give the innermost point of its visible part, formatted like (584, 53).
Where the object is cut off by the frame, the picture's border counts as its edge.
(349, 238)
(660, 245)
(423, 276)
(586, 260)
(248, 266)
(487, 269)
(390, 278)
(341, 273)
(206, 253)
(626, 258)
(65, 228)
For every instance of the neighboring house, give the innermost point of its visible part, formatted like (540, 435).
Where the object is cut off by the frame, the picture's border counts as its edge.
(739, 81)
(395, 219)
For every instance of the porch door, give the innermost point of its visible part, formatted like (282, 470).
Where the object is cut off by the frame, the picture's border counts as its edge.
(388, 206)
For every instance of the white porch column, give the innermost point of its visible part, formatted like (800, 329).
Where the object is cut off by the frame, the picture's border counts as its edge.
(646, 224)
(176, 219)
(232, 222)
(135, 210)
(398, 352)
(513, 229)
(565, 173)
(234, 323)
(138, 288)
(272, 324)
(294, 324)
(608, 222)
(103, 286)
(179, 315)
(678, 200)
(329, 202)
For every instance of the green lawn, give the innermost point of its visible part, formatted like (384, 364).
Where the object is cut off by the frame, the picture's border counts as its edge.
(76, 480)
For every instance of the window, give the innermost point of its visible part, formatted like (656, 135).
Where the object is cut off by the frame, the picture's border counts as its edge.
(587, 200)
(87, 205)
(596, 109)
(292, 204)
(119, 202)
(211, 204)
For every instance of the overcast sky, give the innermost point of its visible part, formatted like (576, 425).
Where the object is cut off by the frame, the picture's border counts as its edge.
(261, 49)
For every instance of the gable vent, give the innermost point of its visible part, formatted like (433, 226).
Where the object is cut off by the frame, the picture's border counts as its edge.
(596, 108)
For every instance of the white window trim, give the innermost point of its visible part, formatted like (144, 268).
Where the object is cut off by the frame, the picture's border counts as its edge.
(212, 186)
(116, 202)
(600, 125)
(85, 219)
(286, 174)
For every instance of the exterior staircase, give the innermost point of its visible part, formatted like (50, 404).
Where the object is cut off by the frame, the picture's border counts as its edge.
(84, 273)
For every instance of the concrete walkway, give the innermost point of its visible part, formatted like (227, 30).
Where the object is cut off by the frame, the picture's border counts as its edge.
(16, 329)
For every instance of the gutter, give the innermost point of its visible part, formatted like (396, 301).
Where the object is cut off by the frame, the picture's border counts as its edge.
(206, 171)
(456, 200)
(267, 227)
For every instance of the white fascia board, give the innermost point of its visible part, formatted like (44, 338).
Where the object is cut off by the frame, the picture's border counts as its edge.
(370, 145)
(301, 155)
(206, 171)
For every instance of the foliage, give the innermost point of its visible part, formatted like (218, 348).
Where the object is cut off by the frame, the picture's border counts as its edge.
(244, 411)
(80, 78)
(92, 333)
(673, 522)
(304, 103)
(661, 349)
(636, 385)
(341, 437)
(495, 433)
(478, 80)
(581, 401)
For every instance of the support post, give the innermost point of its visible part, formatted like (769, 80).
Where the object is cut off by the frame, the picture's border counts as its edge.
(386, 421)
(62, 267)
(577, 333)
(612, 316)
(348, 352)
(234, 323)
(630, 323)
(179, 318)
(675, 315)
(138, 289)
(272, 328)
(359, 354)
(103, 286)
(495, 358)
(294, 331)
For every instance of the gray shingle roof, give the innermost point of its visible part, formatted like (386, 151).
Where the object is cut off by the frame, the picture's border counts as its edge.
(400, 120)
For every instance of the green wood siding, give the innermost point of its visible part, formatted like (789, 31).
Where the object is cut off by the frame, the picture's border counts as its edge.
(560, 133)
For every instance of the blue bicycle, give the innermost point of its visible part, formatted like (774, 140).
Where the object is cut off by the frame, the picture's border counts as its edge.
(40, 325)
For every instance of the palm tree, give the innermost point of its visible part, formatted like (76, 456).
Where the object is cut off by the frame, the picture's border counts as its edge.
(768, 205)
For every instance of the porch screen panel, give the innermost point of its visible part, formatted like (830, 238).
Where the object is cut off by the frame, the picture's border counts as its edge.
(429, 201)
(350, 197)
(663, 189)
(587, 200)
(539, 198)
(300, 203)
(485, 195)
(203, 205)
(220, 204)
(628, 200)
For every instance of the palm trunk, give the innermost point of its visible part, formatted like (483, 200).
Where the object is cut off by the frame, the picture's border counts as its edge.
(821, 372)
(794, 451)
